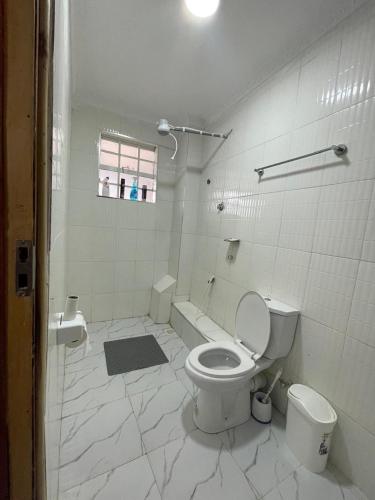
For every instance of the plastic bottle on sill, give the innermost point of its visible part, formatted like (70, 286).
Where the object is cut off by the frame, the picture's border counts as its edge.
(105, 188)
(144, 192)
(134, 190)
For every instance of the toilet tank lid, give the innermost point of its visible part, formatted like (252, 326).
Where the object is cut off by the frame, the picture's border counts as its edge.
(312, 404)
(280, 308)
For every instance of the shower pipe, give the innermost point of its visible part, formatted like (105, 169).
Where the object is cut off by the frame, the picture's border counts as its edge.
(166, 128)
(339, 150)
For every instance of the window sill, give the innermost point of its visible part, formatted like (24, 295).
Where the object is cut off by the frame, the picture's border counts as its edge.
(123, 199)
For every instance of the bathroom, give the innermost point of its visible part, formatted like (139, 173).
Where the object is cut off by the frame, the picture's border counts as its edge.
(164, 220)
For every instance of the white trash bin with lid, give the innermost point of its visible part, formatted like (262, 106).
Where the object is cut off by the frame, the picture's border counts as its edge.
(309, 425)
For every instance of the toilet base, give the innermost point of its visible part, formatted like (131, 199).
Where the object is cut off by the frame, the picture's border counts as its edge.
(218, 411)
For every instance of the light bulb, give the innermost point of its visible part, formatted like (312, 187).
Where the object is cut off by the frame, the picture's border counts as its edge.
(202, 8)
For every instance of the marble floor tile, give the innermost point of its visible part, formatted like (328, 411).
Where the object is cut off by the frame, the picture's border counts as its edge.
(163, 414)
(261, 453)
(148, 378)
(129, 327)
(158, 329)
(90, 388)
(198, 467)
(174, 349)
(110, 422)
(186, 380)
(97, 441)
(132, 481)
(98, 331)
(79, 358)
(305, 485)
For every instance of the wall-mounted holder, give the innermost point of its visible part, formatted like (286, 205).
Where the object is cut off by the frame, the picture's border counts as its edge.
(72, 332)
(339, 150)
(232, 248)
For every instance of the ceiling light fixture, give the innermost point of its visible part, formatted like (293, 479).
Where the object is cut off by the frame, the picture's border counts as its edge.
(202, 8)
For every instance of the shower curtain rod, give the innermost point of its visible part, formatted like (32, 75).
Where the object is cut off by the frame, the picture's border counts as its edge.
(339, 150)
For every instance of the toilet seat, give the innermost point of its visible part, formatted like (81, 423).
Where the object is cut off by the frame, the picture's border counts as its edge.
(199, 359)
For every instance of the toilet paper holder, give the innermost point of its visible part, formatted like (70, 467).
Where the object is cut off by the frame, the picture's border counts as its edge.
(72, 332)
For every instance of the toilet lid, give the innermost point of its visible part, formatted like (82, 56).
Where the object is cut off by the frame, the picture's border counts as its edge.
(253, 323)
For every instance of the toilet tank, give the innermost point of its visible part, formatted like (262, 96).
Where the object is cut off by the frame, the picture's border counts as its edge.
(283, 327)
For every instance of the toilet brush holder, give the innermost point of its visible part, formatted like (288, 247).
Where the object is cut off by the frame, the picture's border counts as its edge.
(262, 412)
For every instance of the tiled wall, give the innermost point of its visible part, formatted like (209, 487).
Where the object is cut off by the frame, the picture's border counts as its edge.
(307, 229)
(117, 249)
(185, 211)
(61, 138)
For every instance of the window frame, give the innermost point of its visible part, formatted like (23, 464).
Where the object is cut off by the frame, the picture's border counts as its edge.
(122, 139)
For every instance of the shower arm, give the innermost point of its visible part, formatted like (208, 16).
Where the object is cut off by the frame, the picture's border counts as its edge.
(190, 130)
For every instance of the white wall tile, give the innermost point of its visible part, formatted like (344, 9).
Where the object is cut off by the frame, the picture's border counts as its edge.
(80, 241)
(144, 275)
(262, 261)
(356, 73)
(146, 218)
(353, 450)
(315, 345)
(59, 237)
(125, 276)
(341, 219)
(79, 278)
(268, 218)
(126, 214)
(299, 219)
(361, 324)
(368, 250)
(145, 245)
(356, 383)
(317, 82)
(126, 245)
(329, 290)
(141, 302)
(123, 305)
(102, 306)
(103, 243)
(353, 127)
(162, 244)
(290, 276)
(103, 277)
(307, 172)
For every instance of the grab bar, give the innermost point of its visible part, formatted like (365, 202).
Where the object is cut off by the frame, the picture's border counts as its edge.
(339, 150)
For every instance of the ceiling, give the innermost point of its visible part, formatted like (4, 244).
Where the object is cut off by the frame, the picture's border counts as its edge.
(152, 58)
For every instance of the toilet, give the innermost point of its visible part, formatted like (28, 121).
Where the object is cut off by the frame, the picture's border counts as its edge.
(225, 371)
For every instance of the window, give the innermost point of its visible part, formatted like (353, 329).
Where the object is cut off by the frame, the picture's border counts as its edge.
(127, 168)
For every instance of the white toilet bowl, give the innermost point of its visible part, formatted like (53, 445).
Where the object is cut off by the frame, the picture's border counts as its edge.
(223, 370)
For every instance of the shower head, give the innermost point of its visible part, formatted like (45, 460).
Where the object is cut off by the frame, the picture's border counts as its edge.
(163, 127)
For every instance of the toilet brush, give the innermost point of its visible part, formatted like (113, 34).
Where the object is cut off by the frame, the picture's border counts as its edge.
(277, 376)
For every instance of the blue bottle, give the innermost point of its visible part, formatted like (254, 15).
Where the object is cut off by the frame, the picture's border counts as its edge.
(134, 190)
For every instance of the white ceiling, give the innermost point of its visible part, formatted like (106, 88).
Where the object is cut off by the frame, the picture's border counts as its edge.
(151, 58)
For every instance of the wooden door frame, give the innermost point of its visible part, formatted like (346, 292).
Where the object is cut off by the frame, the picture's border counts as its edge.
(25, 166)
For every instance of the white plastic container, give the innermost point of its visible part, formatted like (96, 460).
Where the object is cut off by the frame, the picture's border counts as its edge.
(309, 426)
(161, 299)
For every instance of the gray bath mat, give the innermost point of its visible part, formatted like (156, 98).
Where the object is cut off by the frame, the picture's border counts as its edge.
(126, 355)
